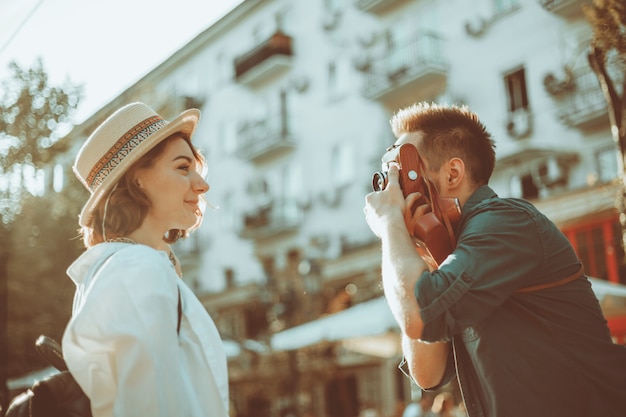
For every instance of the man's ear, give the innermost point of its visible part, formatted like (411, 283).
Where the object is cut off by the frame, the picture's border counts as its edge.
(455, 172)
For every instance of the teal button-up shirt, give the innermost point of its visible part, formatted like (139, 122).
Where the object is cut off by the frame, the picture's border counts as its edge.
(541, 353)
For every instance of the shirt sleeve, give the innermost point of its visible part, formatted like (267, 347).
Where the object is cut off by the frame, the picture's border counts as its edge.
(121, 343)
(498, 250)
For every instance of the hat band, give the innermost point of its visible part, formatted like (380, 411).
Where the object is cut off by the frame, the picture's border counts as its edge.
(122, 148)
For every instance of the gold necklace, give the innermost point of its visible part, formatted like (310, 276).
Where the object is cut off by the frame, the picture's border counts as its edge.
(123, 240)
(132, 242)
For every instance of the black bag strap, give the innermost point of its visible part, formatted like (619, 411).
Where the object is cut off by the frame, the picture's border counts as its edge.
(180, 311)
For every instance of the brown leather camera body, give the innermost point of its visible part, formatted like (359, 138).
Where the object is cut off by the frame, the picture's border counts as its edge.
(433, 232)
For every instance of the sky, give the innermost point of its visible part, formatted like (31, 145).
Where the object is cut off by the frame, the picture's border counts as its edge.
(104, 45)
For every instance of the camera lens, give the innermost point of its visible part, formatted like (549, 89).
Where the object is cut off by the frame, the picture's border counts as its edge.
(379, 181)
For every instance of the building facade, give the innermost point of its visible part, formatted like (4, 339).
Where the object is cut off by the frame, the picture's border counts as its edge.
(295, 98)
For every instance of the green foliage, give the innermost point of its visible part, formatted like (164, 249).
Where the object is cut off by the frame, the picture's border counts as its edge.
(33, 117)
(608, 19)
(608, 47)
(38, 232)
(43, 243)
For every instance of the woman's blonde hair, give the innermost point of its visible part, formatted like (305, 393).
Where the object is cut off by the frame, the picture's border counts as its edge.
(127, 205)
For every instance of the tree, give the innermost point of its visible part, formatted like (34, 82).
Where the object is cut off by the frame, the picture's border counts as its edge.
(33, 117)
(607, 58)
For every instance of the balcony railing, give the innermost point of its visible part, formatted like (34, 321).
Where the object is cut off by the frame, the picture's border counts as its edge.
(279, 216)
(259, 139)
(408, 71)
(585, 106)
(375, 6)
(566, 8)
(264, 60)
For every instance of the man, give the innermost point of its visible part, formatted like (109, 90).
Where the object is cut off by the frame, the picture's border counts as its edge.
(509, 310)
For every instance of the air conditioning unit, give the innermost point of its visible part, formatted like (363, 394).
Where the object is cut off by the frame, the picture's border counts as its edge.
(368, 39)
(331, 196)
(362, 62)
(331, 19)
(519, 123)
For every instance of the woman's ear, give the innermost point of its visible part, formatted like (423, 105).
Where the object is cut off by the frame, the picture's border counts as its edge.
(137, 180)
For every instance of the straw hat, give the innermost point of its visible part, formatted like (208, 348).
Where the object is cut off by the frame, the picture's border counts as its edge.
(120, 141)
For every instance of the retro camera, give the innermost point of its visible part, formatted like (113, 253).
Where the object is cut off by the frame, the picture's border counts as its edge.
(433, 232)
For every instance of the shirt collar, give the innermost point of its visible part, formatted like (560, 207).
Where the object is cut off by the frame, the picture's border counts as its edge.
(482, 193)
(92, 257)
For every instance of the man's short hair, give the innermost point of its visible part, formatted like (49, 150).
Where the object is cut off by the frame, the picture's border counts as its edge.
(449, 131)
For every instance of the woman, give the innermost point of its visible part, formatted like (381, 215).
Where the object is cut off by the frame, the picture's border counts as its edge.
(139, 342)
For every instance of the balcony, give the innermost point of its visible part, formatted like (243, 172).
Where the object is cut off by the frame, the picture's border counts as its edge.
(376, 6)
(259, 140)
(278, 217)
(519, 155)
(266, 60)
(584, 107)
(408, 72)
(565, 8)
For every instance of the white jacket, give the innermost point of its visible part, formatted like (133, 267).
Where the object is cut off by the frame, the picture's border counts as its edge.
(121, 344)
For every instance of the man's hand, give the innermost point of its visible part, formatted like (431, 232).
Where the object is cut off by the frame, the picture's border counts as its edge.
(383, 206)
(388, 205)
(415, 207)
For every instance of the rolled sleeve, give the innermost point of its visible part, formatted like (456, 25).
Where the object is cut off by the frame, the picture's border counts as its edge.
(497, 251)
(436, 316)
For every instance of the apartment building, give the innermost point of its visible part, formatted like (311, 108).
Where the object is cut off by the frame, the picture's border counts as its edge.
(296, 97)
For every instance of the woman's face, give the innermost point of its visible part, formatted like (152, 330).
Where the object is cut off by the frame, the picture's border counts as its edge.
(173, 185)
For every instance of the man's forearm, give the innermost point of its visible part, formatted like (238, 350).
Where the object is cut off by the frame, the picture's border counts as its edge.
(401, 267)
(426, 361)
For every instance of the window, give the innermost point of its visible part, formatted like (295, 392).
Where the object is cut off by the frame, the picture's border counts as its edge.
(290, 185)
(228, 133)
(517, 97)
(338, 79)
(332, 5)
(269, 268)
(515, 186)
(504, 5)
(258, 33)
(227, 212)
(341, 396)
(232, 323)
(368, 383)
(333, 82)
(523, 186)
(294, 183)
(342, 164)
(229, 277)
(606, 164)
(598, 246)
(224, 70)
